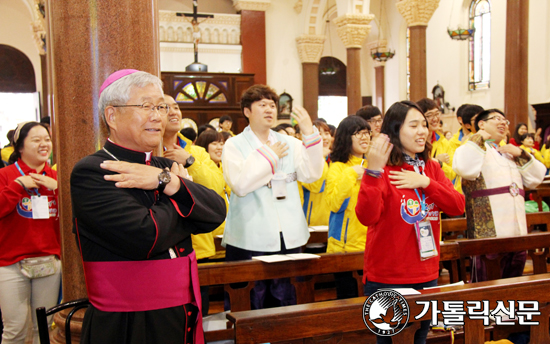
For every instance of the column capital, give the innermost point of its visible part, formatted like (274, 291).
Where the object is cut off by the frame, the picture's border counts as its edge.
(252, 5)
(417, 12)
(353, 29)
(38, 26)
(310, 47)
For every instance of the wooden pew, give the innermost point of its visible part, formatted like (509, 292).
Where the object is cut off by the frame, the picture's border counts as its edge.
(452, 228)
(302, 273)
(341, 321)
(537, 245)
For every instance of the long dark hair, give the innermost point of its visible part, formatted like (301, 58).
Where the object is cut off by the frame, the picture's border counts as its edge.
(393, 121)
(516, 135)
(20, 143)
(341, 149)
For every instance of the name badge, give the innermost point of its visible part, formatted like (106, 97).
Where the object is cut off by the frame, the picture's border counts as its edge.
(425, 238)
(40, 209)
(278, 185)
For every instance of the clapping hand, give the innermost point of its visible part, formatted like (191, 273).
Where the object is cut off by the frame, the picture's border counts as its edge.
(303, 119)
(379, 152)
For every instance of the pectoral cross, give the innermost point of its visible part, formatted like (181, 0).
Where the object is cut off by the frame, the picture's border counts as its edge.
(196, 31)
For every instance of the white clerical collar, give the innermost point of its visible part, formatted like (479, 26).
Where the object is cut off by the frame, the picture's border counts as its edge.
(271, 139)
(148, 155)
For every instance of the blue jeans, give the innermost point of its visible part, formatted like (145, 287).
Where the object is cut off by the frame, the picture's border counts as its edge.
(422, 333)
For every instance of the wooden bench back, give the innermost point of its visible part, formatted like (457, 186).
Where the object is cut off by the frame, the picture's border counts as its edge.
(341, 319)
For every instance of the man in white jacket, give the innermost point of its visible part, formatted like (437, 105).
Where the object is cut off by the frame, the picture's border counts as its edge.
(262, 168)
(493, 181)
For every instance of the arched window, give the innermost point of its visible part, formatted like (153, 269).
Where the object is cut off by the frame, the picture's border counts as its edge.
(480, 45)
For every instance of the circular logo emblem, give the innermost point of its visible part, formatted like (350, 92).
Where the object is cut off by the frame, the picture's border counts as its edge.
(514, 189)
(386, 312)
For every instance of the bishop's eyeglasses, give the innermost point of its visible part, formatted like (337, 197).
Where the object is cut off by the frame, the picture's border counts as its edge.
(149, 107)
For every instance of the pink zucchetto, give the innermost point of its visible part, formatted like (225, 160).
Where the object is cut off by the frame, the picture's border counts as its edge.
(119, 74)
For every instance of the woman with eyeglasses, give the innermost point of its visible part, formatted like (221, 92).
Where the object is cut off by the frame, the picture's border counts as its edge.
(493, 181)
(402, 193)
(346, 233)
(30, 269)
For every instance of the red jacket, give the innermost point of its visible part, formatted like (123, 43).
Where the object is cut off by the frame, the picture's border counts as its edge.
(391, 253)
(21, 236)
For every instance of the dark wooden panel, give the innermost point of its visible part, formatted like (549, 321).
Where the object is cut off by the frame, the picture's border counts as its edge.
(16, 71)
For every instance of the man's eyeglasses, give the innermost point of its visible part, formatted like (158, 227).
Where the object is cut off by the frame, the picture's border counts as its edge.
(148, 108)
(362, 133)
(432, 114)
(375, 121)
(499, 119)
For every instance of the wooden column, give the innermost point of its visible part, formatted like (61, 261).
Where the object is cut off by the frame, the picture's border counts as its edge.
(516, 67)
(87, 41)
(310, 49)
(419, 84)
(352, 30)
(253, 37)
(417, 14)
(380, 86)
(310, 84)
(44, 111)
(353, 80)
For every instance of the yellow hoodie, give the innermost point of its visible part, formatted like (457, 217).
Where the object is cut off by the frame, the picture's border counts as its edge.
(345, 233)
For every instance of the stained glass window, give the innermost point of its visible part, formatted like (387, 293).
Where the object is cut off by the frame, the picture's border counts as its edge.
(201, 91)
(479, 57)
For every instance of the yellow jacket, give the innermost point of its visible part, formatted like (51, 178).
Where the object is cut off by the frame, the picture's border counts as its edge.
(441, 145)
(546, 155)
(315, 208)
(536, 153)
(204, 172)
(6, 152)
(345, 233)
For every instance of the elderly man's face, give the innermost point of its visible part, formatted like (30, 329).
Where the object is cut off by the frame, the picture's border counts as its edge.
(174, 115)
(136, 128)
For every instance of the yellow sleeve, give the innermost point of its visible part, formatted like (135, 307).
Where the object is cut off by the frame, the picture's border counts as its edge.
(546, 156)
(340, 182)
(204, 171)
(317, 185)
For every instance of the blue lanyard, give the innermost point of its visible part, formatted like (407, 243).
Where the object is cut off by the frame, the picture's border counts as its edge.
(423, 199)
(23, 174)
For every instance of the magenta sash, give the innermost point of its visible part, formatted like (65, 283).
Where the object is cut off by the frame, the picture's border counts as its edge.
(135, 286)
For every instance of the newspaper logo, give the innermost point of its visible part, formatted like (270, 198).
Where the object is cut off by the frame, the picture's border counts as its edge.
(386, 312)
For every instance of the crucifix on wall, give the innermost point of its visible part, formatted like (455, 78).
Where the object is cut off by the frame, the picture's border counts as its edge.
(195, 21)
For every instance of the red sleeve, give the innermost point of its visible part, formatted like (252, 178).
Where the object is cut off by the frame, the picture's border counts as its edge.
(442, 192)
(513, 141)
(370, 201)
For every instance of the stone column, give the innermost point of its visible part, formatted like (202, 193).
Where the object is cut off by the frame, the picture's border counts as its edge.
(515, 65)
(352, 30)
(310, 49)
(87, 41)
(253, 37)
(417, 13)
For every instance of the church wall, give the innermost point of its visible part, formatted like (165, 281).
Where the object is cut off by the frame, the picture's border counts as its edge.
(15, 30)
(283, 65)
(539, 51)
